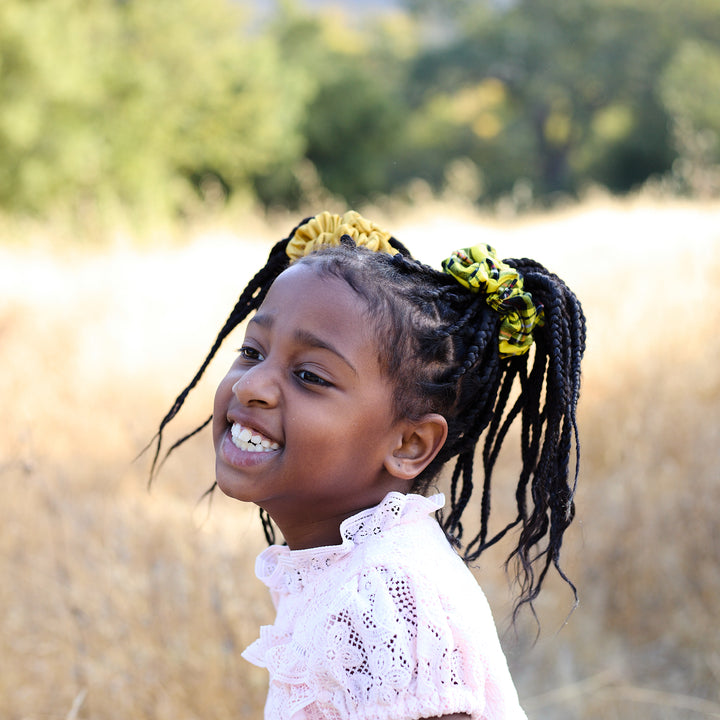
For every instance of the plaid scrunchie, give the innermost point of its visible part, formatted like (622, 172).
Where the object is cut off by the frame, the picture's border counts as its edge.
(480, 270)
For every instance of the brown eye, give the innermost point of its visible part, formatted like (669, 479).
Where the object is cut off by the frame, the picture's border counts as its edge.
(310, 378)
(249, 353)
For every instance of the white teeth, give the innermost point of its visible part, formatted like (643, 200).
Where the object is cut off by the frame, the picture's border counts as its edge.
(250, 441)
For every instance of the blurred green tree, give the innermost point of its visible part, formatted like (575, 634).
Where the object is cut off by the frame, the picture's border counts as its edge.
(154, 105)
(690, 91)
(135, 102)
(353, 124)
(578, 78)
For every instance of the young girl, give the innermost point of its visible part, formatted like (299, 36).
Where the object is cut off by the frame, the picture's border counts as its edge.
(361, 374)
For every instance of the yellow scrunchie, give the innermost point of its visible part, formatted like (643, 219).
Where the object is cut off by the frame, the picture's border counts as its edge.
(326, 229)
(479, 269)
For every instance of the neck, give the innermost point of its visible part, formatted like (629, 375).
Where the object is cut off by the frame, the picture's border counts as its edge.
(317, 524)
(315, 534)
(311, 532)
(315, 528)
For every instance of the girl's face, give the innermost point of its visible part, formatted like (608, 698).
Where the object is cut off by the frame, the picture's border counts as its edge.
(307, 391)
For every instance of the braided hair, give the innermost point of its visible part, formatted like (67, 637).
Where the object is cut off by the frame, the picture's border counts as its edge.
(438, 344)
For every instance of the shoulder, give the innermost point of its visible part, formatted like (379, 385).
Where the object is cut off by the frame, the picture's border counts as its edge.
(408, 571)
(406, 633)
(417, 590)
(418, 556)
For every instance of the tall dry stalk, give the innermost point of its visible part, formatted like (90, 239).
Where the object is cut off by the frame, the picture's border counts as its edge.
(116, 603)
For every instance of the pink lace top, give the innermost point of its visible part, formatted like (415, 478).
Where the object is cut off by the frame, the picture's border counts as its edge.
(388, 625)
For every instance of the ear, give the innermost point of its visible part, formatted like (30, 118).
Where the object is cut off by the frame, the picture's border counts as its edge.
(419, 442)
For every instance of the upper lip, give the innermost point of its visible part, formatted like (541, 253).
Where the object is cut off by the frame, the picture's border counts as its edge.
(252, 424)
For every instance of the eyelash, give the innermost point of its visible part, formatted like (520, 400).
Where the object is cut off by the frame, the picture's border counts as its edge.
(245, 351)
(253, 355)
(317, 380)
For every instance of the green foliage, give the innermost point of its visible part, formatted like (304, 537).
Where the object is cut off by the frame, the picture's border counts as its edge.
(354, 119)
(689, 90)
(578, 80)
(161, 106)
(126, 102)
(689, 86)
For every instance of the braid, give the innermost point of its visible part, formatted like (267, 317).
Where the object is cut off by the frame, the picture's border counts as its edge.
(250, 299)
(442, 354)
(548, 430)
(438, 344)
(268, 527)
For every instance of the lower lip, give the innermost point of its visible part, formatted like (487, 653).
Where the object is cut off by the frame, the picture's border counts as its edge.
(236, 457)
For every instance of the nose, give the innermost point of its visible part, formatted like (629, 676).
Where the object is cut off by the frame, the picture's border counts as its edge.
(257, 387)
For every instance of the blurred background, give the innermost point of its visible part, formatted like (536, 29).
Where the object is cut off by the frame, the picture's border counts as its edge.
(152, 153)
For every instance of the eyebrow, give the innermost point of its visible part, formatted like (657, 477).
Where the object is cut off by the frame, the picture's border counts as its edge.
(305, 337)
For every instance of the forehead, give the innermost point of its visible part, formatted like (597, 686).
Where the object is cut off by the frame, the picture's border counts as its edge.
(325, 292)
(303, 299)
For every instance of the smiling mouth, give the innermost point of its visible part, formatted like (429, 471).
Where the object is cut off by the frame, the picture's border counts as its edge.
(250, 440)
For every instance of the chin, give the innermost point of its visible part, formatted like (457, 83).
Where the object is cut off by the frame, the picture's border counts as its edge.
(233, 487)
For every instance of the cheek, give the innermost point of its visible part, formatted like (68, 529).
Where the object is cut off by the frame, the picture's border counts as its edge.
(353, 439)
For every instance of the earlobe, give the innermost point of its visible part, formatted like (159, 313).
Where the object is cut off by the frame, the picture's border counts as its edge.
(420, 443)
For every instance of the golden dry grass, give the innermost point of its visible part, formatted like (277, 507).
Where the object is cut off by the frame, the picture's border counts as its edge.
(118, 603)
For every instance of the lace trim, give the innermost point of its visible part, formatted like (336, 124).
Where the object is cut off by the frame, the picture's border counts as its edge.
(285, 570)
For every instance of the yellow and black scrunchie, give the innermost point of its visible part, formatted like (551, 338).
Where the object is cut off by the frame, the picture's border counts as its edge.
(480, 270)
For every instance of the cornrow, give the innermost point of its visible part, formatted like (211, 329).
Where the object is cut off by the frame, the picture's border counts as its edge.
(438, 344)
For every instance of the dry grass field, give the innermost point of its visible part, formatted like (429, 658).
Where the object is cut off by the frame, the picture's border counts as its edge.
(116, 602)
